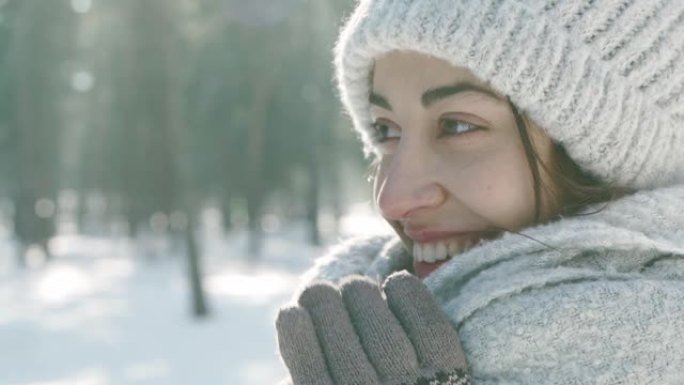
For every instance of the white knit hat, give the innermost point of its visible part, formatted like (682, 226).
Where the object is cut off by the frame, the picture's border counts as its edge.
(603, 78)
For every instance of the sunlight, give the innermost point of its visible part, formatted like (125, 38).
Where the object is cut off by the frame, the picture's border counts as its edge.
(253, 287)
(81, 6)
(35, 257)
(83, 81)
(362, 219)
(87, 246)
(62, 284)
(262, 372)
(45, 208)
(86, 377)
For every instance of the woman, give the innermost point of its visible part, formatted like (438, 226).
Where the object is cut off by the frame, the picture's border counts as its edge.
(529, 158)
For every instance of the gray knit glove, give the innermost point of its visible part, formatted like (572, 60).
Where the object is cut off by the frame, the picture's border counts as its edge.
(354, 335)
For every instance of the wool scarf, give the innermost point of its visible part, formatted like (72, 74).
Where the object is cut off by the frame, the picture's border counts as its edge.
(596, 298)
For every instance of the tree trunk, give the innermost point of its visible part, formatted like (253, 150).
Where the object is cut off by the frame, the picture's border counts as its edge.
(255, 235)
(199, 304)
(226, 214)
(313, 199)
(37, 121)
(255, 165)
(177, 150)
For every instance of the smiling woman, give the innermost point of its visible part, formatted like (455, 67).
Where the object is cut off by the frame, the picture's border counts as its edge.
(527, 156)
(452, 168)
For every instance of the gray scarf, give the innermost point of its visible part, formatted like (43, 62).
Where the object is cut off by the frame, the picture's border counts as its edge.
(595, 299)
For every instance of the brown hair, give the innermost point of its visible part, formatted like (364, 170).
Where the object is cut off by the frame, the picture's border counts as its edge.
(571, 187)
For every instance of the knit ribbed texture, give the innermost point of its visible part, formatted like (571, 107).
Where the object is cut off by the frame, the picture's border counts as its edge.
(595, 300)
(362, 333)
(603, 78)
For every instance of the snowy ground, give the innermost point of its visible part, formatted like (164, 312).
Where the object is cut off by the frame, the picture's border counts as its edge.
(97, 315)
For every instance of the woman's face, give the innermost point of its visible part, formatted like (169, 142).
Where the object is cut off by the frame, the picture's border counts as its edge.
(452, 169)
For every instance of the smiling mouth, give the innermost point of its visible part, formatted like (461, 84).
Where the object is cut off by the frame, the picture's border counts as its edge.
(442, 250)
(430, 255)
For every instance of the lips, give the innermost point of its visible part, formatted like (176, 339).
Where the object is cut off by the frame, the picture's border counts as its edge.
(423, 269)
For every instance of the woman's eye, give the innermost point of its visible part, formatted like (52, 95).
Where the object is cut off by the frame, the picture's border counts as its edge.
(383, 131)
(450, 126)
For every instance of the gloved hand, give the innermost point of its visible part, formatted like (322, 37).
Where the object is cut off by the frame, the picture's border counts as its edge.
(354, 335)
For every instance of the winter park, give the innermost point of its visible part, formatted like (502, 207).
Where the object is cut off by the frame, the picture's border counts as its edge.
(329, 192)
(168, 169)
(106, 310)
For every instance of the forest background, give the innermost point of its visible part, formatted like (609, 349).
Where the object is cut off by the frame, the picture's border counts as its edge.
(180, 136)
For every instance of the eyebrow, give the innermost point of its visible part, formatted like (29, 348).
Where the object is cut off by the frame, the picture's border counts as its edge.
(434, 95)
(379, 101)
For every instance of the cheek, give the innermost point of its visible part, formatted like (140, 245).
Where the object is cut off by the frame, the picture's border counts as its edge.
(497, 186)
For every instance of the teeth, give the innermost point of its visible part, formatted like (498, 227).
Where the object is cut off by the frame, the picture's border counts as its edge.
(417, 252)
(438, 251)
(453, 248)
(429, 252)
(441, 252)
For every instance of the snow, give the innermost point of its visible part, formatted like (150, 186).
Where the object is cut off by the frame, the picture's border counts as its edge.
(108, 311)
(97, 316)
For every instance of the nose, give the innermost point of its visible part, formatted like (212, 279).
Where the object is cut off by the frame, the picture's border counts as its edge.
(407, 185)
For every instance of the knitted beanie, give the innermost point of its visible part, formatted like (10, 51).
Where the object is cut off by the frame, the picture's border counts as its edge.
(603, 78)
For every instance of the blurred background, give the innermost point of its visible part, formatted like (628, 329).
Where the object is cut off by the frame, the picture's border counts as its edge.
(168, 169)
